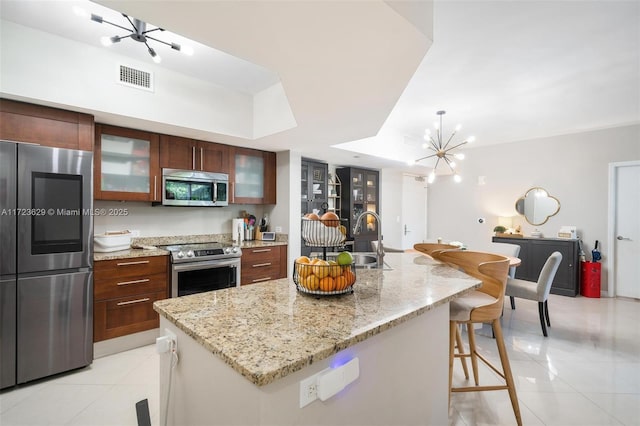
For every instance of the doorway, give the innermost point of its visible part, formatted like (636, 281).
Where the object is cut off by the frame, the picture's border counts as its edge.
(414, 210)
(624, 229)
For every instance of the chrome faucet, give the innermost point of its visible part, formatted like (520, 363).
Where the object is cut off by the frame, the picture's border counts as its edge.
(379, 249)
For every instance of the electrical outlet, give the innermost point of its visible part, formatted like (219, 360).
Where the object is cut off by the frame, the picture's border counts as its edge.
(278, 228)
(172, 337)
(308, 390)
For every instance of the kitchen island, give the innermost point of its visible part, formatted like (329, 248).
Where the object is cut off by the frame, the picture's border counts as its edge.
(243, 351)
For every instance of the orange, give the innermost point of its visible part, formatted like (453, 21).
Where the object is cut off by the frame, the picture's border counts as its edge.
(327, 284)
(311, 282)
(321, 268)
(330, 219)
(341, 283)
(304, 270)
(350, 277)
(334, 269)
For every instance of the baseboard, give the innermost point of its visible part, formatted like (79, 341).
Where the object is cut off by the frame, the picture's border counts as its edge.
(125, 343)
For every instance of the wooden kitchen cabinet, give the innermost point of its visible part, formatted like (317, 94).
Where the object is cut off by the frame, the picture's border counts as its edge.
(124, 292)
(191, 154)
(252, 175)
(126, 165)
(24, 122)
(261, 264)
(360, 192)
(534, 253)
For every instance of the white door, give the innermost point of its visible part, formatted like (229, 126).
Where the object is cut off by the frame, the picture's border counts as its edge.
(626, 229)
(414, 211)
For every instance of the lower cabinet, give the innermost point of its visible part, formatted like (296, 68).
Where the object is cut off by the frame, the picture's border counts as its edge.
(534, 253)
(124, 292)
(263, 264)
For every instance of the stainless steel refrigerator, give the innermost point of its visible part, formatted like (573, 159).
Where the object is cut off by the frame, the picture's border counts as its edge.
(46, 261)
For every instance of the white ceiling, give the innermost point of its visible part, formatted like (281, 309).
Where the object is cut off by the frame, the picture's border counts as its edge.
(507, 70)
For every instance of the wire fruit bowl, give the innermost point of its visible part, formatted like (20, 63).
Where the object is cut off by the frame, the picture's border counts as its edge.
(322, 278)
(324, 233)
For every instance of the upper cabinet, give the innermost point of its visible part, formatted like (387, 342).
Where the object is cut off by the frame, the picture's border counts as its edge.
(360, 193)
(190, 154)
(23, 122)
(126, 165)
(252, 175)
(313, 186)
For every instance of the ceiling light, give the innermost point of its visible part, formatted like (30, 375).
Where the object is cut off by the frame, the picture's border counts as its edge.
(139, 33)
(443, 150)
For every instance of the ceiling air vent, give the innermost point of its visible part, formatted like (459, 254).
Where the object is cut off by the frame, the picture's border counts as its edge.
(135, 78)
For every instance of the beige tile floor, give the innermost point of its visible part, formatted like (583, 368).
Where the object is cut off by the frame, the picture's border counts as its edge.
(587, 372)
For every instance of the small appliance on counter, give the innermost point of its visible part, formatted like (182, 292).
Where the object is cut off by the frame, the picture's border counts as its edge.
(113, 241)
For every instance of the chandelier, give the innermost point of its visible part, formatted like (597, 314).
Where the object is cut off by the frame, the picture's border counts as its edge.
(443, 150)
(139, 33)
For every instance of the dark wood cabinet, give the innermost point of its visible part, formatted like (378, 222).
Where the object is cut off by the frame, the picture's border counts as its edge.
(360, 193)
(124, 292)
(252, 176)
(261, 264)
(534, 253)
(314, 186)
(190, 154)
(126, 165)
(24, 122)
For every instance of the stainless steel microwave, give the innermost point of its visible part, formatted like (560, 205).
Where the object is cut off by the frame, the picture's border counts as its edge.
(193, 188)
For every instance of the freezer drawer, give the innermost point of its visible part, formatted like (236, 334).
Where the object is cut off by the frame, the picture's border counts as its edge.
(7, 332)
(55, 324)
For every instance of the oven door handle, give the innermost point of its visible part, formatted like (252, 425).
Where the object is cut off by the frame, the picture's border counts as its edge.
(207, 264)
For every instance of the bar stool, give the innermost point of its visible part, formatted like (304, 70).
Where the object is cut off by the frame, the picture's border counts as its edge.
(429, 248)
(483, 305)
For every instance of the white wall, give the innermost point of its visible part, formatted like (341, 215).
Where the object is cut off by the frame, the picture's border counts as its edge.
(572, 168)
(40, 66)
(155, 221)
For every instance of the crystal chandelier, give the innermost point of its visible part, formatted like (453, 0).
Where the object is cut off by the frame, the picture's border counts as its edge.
(443, 150)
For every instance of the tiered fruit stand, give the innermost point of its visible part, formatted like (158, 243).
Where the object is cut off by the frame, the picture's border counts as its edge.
(317, 276)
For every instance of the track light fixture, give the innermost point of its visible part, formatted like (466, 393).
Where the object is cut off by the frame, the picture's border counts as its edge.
(139, 33)
(442, 151)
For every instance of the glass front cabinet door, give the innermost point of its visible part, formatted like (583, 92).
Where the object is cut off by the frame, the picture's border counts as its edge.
(126, 165)
(252, 176)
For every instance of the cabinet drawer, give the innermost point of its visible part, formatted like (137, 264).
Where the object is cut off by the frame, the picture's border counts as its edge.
(117, 287)
(258, 273)
(260, 255)
(119, 317)
(132, 267)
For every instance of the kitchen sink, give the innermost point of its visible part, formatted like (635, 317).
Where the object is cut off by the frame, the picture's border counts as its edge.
(361, 260)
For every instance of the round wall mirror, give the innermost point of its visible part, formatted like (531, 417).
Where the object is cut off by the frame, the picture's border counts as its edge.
(537, 206)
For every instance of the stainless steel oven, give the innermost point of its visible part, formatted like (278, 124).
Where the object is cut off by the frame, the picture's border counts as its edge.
(196, 268)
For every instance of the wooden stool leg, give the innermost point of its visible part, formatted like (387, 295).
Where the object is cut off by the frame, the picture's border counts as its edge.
(460, 346)
(506, 368)
(452, 338)
(472, 351)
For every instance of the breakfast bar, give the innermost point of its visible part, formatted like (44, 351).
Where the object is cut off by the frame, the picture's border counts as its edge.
(244, 351)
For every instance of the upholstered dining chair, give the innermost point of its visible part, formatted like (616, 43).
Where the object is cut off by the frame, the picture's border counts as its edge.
(537, 291)
(507, 250)
(483, 305)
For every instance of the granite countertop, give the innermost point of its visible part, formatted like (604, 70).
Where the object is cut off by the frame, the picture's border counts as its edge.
(269, 330)
(181, 239)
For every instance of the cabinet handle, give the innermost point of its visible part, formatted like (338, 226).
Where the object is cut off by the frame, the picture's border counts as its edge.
(260, 250)
(146, 280)
(140, 262)
(130, 302)
(193, 157)
(233, 195)
(261, 279)
(155, 187)
(201, 158)
(260, 265)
